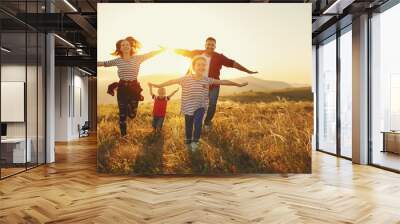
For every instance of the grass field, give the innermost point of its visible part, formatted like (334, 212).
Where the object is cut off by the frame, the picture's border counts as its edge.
(252, 133)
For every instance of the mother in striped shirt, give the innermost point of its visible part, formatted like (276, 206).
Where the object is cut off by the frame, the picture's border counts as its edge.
(128, 64)
(194, 99)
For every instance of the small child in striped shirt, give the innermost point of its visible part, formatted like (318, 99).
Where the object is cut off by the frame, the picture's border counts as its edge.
(194, 100)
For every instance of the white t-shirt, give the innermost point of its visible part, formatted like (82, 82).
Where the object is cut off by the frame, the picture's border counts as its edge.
(208, 58)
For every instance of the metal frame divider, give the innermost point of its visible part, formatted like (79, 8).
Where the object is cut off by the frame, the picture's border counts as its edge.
(26, 88)
(338, 74)
(316, 97)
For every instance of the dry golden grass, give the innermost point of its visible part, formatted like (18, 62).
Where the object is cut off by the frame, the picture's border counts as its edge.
(257, 137)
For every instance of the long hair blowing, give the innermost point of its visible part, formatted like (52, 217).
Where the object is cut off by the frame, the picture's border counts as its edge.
(135, 45)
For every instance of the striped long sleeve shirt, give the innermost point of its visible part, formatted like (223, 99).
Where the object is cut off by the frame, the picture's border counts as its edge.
(128, 70)
(194, 93)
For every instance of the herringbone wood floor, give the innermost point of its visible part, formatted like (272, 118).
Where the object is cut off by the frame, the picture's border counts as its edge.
(70, 191)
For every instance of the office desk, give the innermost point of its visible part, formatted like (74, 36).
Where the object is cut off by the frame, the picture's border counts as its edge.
(391, 141)
(13, 150)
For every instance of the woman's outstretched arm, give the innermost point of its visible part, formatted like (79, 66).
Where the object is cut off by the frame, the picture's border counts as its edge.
(229, 83)
(153, 53)
(109, 63)
(167, 83)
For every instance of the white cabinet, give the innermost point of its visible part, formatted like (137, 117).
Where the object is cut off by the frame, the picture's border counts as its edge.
(17, 147)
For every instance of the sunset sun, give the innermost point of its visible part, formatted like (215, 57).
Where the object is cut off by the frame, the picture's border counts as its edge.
(166, 63)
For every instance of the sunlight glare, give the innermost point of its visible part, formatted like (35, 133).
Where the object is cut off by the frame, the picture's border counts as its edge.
(166, 63)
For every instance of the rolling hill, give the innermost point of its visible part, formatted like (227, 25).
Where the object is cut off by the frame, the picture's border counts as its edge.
(290, 94)
(255, 85)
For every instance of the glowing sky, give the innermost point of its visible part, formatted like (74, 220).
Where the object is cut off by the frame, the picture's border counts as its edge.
(273, 39)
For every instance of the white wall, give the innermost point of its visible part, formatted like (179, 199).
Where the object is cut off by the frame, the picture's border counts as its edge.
(71, 102)
(12, 73)
(16, 73)
(80, 111)
(61, 103)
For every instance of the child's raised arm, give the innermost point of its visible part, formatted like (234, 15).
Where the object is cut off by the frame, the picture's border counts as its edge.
(229, 83)
(173, 93)
(167, 83)
(151, 89)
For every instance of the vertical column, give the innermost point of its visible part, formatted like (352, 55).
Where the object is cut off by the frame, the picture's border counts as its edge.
(50, 92)
(360, 89)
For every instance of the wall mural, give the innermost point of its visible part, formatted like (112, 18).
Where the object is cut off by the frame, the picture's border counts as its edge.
(204, 89)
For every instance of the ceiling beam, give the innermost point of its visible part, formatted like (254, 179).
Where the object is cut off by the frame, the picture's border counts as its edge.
(337, 6)
(84, 24)
(76, 61)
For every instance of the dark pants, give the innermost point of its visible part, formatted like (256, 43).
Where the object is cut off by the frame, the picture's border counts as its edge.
(158, 122)
(127, 104)
(212, 104)
(194, 122)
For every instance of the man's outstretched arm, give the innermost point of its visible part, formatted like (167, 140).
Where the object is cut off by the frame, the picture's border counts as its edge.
(184, 52)
(233, 64)
(242, 68)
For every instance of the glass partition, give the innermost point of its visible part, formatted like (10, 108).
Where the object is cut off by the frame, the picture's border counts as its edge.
(13, 92)
(22, 66)
(385, 89)
(327, 96)
(346, 93)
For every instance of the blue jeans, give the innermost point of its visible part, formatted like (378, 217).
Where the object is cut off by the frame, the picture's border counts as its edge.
(194, 122)
(158, 122)
(212, 104)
